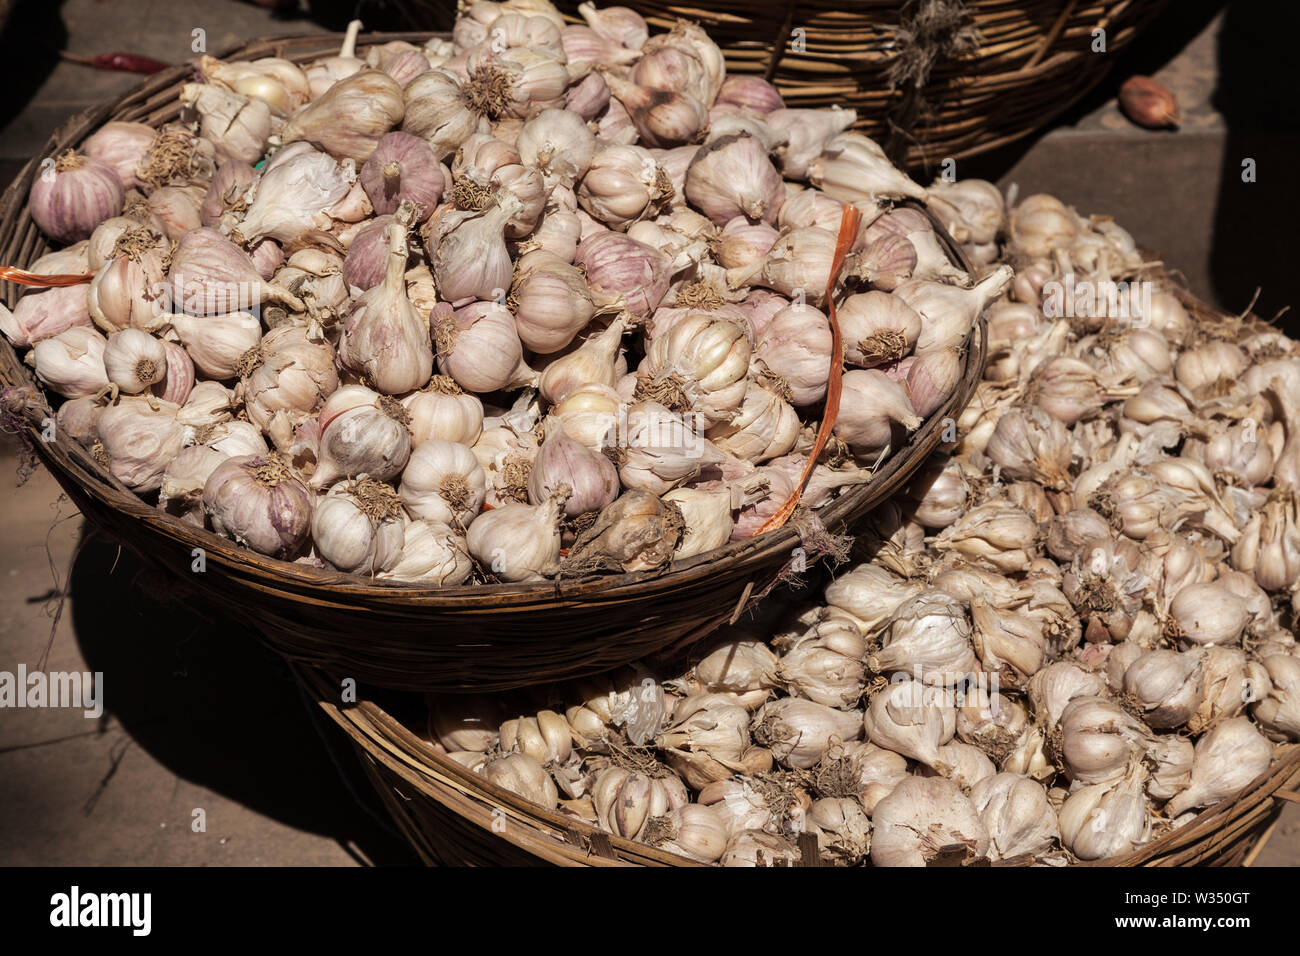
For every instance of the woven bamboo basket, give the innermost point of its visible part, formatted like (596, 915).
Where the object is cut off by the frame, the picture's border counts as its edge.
(453, 816)
(998, 69)
(472, 638)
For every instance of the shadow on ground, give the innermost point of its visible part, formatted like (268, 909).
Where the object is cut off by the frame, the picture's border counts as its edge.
(205, 699)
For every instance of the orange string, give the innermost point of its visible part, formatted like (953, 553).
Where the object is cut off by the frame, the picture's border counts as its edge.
(23, 277)
(849, 222)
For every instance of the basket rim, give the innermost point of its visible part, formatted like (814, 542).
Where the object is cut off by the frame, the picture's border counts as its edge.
(385, 738)
(76, 464)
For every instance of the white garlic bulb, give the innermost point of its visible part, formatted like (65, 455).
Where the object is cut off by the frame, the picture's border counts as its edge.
(1016, 811)
(911, 719)
(1167, 686)
(1101, 820)
(358, 526)
(431, 554)
(870, 595)
(799, 732)
(929, 638)
(1227, 759)
(518, 542)
(524, 776)
(443, 482)
(1279, 710)
(1099, 740)
(134, 360)
(922, 816)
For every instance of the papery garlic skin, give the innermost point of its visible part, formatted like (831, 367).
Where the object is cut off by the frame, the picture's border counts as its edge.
(518, 542)
(431, 554)
(929, 638)
(1103, 820)
(1279, 710)
(443, 481)
(261, 503)
(358, 527)
(140, 436)
(921, 816)
(71, 362)
(1227, 759)
(362, 433)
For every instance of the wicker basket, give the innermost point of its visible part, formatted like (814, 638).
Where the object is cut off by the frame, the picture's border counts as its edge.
(1031, 60)
(410, 638)
(454, 816)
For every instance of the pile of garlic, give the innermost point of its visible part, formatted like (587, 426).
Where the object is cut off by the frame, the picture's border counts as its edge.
(540, 300)
(1070, 634)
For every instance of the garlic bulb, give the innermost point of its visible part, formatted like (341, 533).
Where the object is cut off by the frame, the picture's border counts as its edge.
(518, 542)
(700, 364)
(799, 732)
(764, 427)
(523, 776)
(707, 522)
(638, 532)
(384, 337)
(940, 491)
(1059, 683)
(853, 168)
(1170, 761)
(626, 803)
(437, 110)
(285, 380)
(358, 527)
(431, 554)
(134, 360)
(237, 125)
(73, 196)
(261, 502)
(794, 351)
(630, 273)
(1101, 821)
(1269, 546)
(294, 194)
(1100, 740)
(1227, 759)
(870, 595)
(825, 664)
(219, 344)
(709, 740)
(71, 362)
(552, 302)
(545, 737)
(1016, 811)
(996, 533)
(442, 481)
(403, 168)
(590, 476)
(1008, 642)
(351, 117)
(1207, 613)
(1029, 444)
(444, 410)
(478, 347)
(732, 176)
(467, 251)
(921, 817)
(558, 143)
(596, 361)
(878, 328)
(798, 264)
(362, 433)
(660, 449)
(911, 719)
(40, 315)
(842, 827)
(929, 638)
(1279, 710)
(1167, 686)
(875, 408)
(624, 185)
(661, 117)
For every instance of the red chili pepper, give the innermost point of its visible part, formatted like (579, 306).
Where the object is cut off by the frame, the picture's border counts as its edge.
(125, 62)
